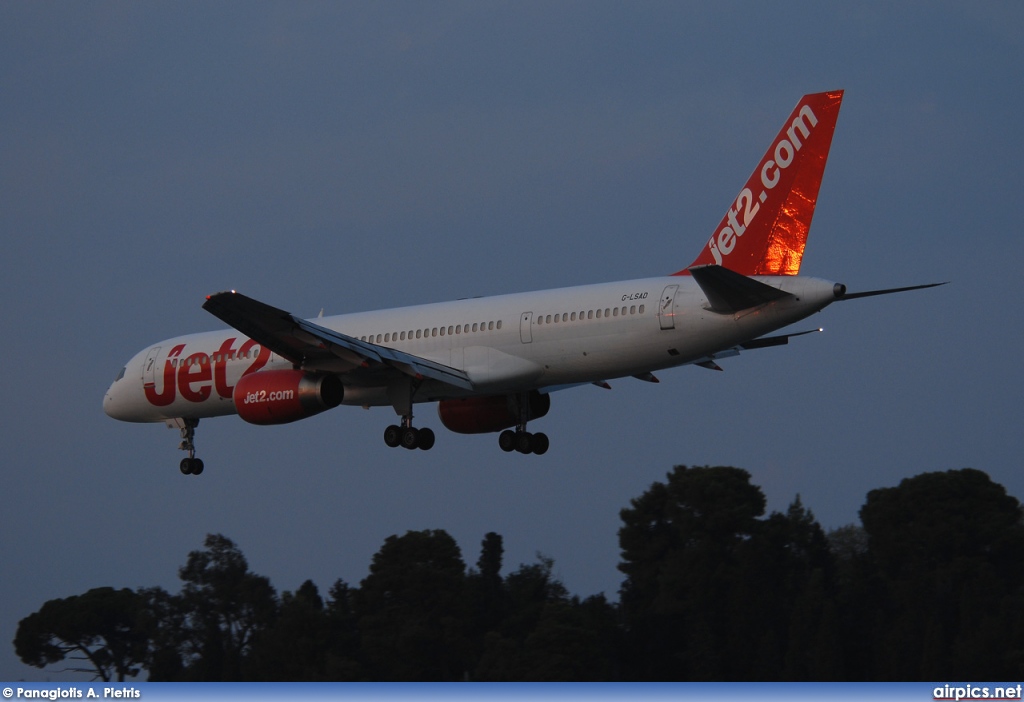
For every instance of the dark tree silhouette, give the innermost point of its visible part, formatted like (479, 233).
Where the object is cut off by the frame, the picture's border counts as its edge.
(931, 586)
(224, 606)
(681, 546)
(947, 557)
(411, 609)
(104, 627)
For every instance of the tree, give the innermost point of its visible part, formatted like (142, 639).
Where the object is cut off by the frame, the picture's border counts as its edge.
(486, 589)
(681, 544)
(224, 606)
(546, 635)
(947, 551)
(296, 645)
(104, 626)
(411, 610)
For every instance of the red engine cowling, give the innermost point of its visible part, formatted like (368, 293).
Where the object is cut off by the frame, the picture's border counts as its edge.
(282, 396)
(480, 415)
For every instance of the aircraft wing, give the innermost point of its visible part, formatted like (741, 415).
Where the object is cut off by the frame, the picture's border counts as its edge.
(307, 344)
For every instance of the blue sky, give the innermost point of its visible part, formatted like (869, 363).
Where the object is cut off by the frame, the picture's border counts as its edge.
(362, 156)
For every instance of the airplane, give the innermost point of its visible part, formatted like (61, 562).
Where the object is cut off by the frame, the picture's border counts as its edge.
(492, 363)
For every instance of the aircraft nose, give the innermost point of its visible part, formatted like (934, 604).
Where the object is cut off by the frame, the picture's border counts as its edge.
(113, 404)
(110, 404)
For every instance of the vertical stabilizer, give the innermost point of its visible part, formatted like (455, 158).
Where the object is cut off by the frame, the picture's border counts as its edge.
(765, 230)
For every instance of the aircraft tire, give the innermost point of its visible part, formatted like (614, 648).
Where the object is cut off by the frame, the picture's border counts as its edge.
(197, 466)
(186, 466)
(524, 442)
(425, 440)
(539, 443)
(393, 435)
(410, 438)
(507, 440)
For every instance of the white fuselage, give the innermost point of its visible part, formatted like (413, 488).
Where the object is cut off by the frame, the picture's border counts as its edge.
(505, 344)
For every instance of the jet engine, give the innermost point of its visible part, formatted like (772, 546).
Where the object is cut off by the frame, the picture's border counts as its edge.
(282, 396)
(480, 415)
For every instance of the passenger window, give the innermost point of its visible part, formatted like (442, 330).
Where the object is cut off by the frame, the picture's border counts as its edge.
(490, 326)
(632, 309)
(442, 331)
(387, 338)
(499, 324)
(547, 320)
(615, 312)
(450, 329)
(641, 309)
(590, 314)
(458, 328)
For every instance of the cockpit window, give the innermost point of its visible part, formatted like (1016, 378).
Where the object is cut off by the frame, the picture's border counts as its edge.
(121, 374)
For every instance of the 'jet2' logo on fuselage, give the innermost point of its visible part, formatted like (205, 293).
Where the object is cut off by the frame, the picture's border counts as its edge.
(196, 377)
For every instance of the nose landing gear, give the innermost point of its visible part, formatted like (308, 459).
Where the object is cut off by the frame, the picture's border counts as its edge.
(190, 465)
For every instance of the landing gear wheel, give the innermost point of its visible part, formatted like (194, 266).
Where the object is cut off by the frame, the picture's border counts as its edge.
(425, 440)
(524, 441)
(507, 440)
(393, 435)
(539, 443)
(410, 438)
(191, 466)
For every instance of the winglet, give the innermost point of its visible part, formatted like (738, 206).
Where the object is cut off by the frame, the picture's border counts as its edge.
(765, 230)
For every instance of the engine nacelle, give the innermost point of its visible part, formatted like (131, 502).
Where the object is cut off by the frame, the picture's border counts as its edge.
(480, 415)
(282, 396)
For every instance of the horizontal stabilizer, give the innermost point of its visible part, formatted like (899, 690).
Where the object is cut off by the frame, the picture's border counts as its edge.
(762, 343)
(728, 292)
(769, 341)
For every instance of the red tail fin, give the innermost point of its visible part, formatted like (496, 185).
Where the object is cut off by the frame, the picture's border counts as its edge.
(765, 231)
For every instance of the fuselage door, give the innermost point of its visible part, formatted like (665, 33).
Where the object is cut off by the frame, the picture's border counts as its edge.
(667, 308)
(149, 367)
(526, 327)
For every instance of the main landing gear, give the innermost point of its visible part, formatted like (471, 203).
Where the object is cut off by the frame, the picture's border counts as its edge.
(408, 436)
(523, 441)
(190, 465)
